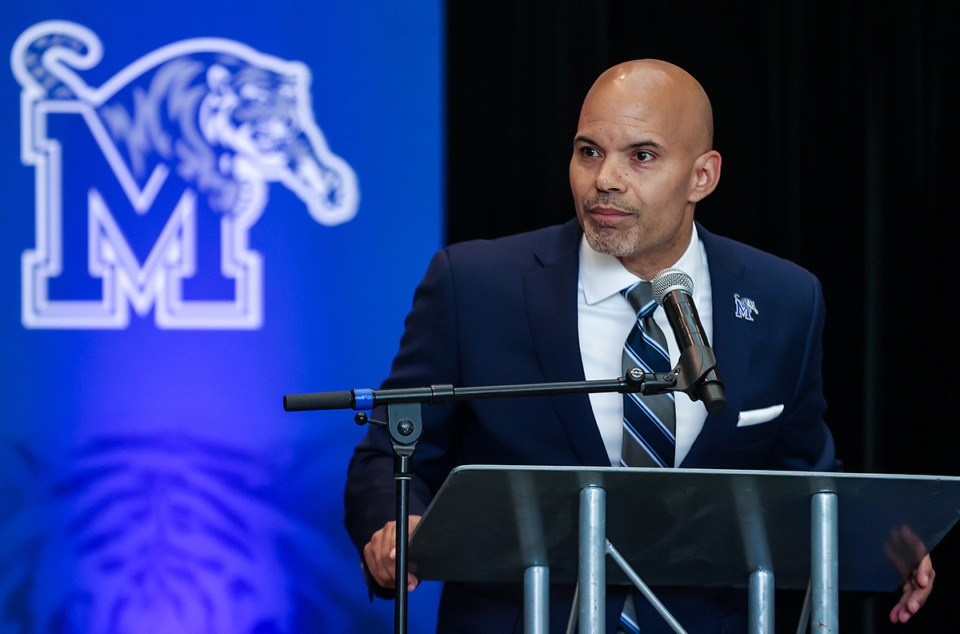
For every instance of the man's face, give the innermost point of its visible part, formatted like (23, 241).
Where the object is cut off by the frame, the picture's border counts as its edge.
(632, 173)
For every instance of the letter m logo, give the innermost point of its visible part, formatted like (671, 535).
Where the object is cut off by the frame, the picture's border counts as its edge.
(147, 186)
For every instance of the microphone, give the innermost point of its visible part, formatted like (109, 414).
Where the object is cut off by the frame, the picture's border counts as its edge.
(699, 377)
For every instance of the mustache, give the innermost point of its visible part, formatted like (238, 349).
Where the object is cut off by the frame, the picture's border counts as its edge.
(607, 200)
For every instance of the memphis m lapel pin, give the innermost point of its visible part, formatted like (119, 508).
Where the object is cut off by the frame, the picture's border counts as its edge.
(746, 307)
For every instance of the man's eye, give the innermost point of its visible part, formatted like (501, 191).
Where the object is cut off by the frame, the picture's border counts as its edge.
(589, 152)
(643, 156)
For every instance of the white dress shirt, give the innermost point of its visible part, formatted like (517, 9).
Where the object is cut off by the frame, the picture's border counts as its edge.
(605, 318)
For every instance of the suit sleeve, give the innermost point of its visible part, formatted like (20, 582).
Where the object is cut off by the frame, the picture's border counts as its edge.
(428, 355)
(804, 443)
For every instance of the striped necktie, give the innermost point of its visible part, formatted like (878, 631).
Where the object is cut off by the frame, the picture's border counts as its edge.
(649, 422)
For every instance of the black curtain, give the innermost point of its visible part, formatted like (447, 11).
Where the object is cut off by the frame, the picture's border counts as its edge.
(836, 122)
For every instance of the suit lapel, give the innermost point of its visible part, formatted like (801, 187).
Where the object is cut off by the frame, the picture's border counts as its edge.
(730, 342)
(551, 298)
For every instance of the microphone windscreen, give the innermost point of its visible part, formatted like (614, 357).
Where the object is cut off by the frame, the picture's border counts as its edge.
(669, 280)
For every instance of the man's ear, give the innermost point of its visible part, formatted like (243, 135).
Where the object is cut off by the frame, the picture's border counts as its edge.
(706, 175)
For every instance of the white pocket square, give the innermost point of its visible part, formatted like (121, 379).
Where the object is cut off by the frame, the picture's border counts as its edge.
(757, 416)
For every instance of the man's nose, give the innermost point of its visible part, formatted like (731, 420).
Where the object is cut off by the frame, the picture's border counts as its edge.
(610, 176)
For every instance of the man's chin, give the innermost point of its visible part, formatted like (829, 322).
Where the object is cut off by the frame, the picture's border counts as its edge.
(610, 241)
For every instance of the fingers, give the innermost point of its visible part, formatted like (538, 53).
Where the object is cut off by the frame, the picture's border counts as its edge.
(380, 555)
(376, 554)
(916, 591)
(925, 572)
(908, 605)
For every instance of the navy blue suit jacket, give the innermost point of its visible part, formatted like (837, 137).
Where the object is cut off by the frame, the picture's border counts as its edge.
(505, 311)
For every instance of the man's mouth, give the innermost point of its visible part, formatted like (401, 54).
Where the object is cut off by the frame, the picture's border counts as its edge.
(605, 213)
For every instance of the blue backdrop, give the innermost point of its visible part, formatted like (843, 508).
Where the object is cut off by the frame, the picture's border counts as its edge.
(206, 205)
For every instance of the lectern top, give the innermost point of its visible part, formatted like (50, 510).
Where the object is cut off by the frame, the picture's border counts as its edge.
(690, 527)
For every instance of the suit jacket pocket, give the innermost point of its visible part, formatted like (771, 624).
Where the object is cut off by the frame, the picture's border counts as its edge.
(751, 417)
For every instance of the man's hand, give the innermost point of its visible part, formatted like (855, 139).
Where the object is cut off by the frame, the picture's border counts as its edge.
(380, 555)
(916, 589)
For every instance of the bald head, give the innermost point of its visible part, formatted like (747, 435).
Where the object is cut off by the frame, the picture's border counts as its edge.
(646, 87)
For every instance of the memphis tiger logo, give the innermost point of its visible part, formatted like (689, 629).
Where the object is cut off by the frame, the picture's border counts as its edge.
(147, 186)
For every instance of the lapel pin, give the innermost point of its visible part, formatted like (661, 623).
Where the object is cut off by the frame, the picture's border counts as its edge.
(746, 307)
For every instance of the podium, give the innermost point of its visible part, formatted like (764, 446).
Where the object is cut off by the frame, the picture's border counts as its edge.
(681, 527)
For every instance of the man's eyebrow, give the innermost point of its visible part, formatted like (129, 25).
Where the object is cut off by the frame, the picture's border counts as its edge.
(643, 143)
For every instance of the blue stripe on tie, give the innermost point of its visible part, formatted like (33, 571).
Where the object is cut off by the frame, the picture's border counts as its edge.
(653, 417)
(661, 358)
(627, 290)
(650, 434)
(640, 440)
(647, 444)
(628, 626)
(653, 343)
(638, 361)
(658, 461)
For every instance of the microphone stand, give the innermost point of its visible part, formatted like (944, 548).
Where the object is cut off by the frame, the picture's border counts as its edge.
(404, 424)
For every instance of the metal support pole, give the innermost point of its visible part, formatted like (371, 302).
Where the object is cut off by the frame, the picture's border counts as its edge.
(761, 602)
(593, 537)
(823, 563)
(400, 601)
(536, 604)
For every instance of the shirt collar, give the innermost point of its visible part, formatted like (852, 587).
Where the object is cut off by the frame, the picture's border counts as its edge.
(602, 275)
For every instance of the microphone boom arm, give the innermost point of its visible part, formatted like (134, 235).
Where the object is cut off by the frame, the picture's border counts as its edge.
(404, 424)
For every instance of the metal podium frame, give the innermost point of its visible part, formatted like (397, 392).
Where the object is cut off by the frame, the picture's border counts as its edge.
(682, 527)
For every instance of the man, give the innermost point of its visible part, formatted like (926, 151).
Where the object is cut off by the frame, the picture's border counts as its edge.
(546, 306)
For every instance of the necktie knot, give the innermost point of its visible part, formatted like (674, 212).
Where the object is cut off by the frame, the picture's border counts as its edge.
(640, 296)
